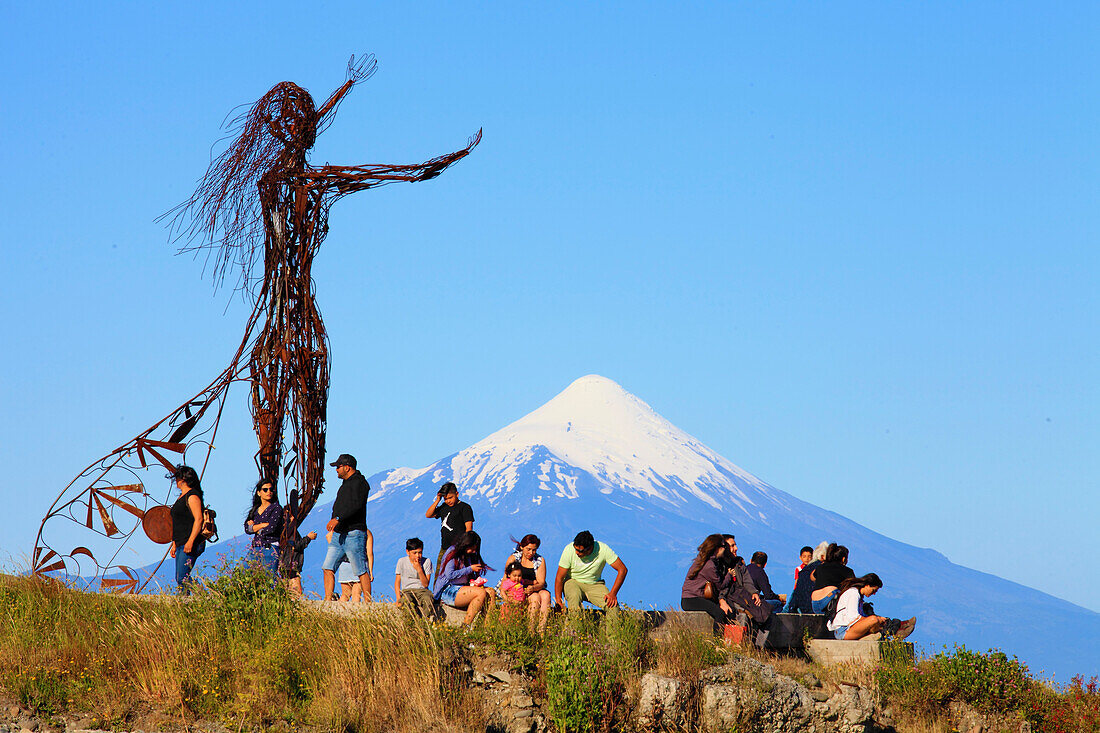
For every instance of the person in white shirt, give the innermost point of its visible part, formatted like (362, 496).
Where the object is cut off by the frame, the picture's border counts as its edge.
(850, 623)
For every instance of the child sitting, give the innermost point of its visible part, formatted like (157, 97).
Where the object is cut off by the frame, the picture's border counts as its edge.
(511, 589)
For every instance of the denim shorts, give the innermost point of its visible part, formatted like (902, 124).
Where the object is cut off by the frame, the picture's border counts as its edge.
(840, 632)
(351, 545)
(449, 593)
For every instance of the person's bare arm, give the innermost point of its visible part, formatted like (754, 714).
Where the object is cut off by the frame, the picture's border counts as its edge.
(540, 578)
(194, 503)
(370, 554)
(612, 598)
(420, 573)
(430, 514)
(559, 584)
(397, 587)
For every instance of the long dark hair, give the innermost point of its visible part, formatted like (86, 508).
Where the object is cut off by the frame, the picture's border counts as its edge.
(461, 551)
(187, 475)
(836, 553)
(711, 545)
(869, 579)
(253, 513)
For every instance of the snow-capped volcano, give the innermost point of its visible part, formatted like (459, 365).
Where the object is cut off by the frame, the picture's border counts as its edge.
(596, 435)
(598, 458)
(597, 427)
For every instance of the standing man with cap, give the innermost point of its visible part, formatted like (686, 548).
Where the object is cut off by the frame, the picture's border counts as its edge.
(455, 518)
(348, 526)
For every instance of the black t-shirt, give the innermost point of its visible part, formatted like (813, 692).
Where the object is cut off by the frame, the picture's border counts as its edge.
(831, 573)
(454, 521)
(183, 521)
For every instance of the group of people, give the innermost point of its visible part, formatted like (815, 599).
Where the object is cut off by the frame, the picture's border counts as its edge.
(459, 570)
(718, 581)
(723, 585)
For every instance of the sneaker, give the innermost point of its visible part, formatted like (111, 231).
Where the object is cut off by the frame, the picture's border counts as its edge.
(906, 628)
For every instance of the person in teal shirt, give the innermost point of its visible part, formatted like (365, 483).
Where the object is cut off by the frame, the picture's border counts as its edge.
(580, 574)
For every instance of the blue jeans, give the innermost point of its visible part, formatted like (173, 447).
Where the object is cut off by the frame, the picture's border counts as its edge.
(268, 557)
(185, 562)
(351, 545)
(775, 603)
(819, 606)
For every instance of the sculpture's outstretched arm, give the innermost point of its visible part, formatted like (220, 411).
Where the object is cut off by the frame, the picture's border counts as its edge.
(357, 72)
(342, 180)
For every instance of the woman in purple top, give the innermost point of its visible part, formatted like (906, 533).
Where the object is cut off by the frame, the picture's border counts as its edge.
(704, 572)
(460, 582)
(264, 522)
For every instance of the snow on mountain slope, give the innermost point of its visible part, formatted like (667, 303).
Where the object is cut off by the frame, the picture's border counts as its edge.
(595, 427)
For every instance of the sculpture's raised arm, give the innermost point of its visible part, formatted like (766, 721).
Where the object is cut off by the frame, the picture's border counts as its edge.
(342, 180)
(357, 72)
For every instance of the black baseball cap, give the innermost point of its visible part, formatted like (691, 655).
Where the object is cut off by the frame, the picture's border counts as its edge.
(345, 459)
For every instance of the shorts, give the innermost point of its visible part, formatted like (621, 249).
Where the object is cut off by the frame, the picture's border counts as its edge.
(449, 593)
(840, 632)
(351, 545)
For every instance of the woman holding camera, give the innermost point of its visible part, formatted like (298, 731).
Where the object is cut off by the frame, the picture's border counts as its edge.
(703, 584)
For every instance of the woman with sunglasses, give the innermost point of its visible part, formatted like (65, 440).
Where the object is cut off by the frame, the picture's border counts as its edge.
(265, 523)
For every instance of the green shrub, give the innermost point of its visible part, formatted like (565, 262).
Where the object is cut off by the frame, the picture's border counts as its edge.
(245, 599)
(578, 688)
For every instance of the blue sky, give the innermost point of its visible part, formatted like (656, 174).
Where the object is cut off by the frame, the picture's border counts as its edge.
(850, 247)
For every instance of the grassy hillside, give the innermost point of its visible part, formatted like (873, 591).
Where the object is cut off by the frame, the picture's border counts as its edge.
(245, 654)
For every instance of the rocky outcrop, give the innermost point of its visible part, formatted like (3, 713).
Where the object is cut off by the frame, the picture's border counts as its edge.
(747, 695)
(507, 699)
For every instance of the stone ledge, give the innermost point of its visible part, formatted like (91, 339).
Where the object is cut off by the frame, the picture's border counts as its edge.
(834, 651)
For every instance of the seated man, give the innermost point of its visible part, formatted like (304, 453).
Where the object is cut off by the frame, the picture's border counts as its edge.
(580, 574)
(760, 579)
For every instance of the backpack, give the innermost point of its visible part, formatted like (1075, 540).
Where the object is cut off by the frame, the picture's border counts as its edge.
(830, 608)
(209, 531)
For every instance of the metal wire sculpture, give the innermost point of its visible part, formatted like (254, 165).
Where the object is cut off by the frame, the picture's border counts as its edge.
(259, 198)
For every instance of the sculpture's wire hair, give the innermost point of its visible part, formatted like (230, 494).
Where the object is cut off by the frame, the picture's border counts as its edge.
(225, 214)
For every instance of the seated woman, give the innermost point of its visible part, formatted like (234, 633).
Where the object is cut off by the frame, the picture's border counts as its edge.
(458, 581)
(850, 623)
(265, 523)
(739, 591)
(829, 575)
(703, 585)
(533, 570)
(800, 600)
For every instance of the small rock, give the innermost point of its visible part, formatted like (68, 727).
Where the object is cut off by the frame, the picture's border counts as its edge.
(482, 679)
(522, 701)
(812, 680)
(524, 713)
(503, 676)
(819, 695)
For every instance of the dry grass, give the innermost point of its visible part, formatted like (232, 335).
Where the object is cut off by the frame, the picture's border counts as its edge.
(125, 661)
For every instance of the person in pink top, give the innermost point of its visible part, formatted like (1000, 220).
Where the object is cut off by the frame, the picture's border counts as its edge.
(512, 590)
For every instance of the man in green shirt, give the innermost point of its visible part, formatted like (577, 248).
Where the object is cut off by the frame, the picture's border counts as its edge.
(580, 574)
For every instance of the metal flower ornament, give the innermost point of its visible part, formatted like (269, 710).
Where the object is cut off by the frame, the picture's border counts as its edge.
(261, 211)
